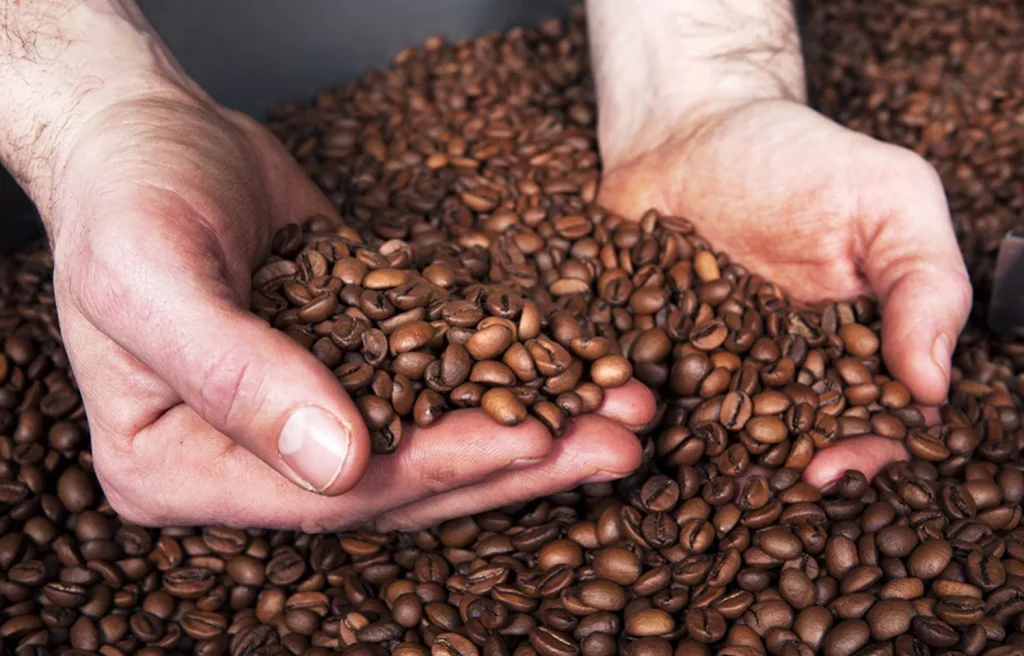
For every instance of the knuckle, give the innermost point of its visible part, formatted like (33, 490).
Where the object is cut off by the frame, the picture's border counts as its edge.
(228, 390)
(438, 477)
(100, 274)
(316, 525)
(398, 522)
(964, 294)
(126, 494)
(134, 512)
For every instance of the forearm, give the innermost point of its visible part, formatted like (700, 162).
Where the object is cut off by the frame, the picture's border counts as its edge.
(661, 62)
(60, 62)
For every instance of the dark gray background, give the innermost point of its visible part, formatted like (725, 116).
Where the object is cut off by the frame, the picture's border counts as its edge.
(253, 54)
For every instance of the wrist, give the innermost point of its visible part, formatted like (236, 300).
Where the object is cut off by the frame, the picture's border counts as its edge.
(662, 67)
(675, 128)
(61, 64)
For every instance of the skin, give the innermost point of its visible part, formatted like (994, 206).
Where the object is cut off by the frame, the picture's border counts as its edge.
(158, 202)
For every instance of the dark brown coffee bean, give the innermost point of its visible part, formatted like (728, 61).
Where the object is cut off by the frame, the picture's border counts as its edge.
(929, 559)
(75, 490)
(960, 610)
(934, 632)
(737, 409)
(618, 565)
(203, 625)
(285, 568)
(896, 541)
(780, 543)
(766, 429)
(550, 642)
(709, 335)
(453, 644)
(846, 638)
(812, 625)
(890, 618)
(189, 582)
(796, 588)
(650, 622)
(146, 627)
(705, 625)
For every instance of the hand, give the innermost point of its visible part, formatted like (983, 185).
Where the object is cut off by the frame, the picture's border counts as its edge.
(202, 413)
(825, 212)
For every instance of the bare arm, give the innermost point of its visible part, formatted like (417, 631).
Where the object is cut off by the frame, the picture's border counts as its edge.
(61, 60)
(672, 62)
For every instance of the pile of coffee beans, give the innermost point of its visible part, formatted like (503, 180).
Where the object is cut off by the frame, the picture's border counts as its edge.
(473, 269)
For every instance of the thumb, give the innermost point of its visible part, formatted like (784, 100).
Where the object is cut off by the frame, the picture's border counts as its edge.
(914, 264)
(251, 382)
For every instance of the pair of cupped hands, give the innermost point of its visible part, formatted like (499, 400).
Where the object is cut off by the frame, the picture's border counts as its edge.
(200, 413)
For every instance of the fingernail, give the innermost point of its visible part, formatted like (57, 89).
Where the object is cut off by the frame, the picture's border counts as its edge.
(602, 477)
(830, 487)
(942, 351)
(315, 447)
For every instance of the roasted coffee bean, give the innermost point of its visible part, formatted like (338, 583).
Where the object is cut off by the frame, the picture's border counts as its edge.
(929, 559)
(611, 371)
(617, 565)
(453, 644)
(503, 407)
(203, 625)
(846, 638)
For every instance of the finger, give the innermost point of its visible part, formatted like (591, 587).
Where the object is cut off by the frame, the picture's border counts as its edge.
(174, 312)
(201, 477)
(867, 454)
(932, 414)
(592, 450)
(914, 264)
(632, 405)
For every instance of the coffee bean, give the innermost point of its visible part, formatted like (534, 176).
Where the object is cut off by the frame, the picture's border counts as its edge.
(453, 644)
(766, 429)
(890, 618)
(934, 632)
(617, 565)
(611, 371)
(650, 622)
(929, 559)
(246, 570)
(812, 624)
(846, 638)
(796, 588)
(203, 625)
(189, 582)
(490, 342)
(503, 407)
(549, 642)
(75, 490)
(896, 541)
(705, 625)
(860, 341)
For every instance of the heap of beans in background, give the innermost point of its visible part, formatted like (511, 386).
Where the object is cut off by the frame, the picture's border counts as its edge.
(473, 270)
